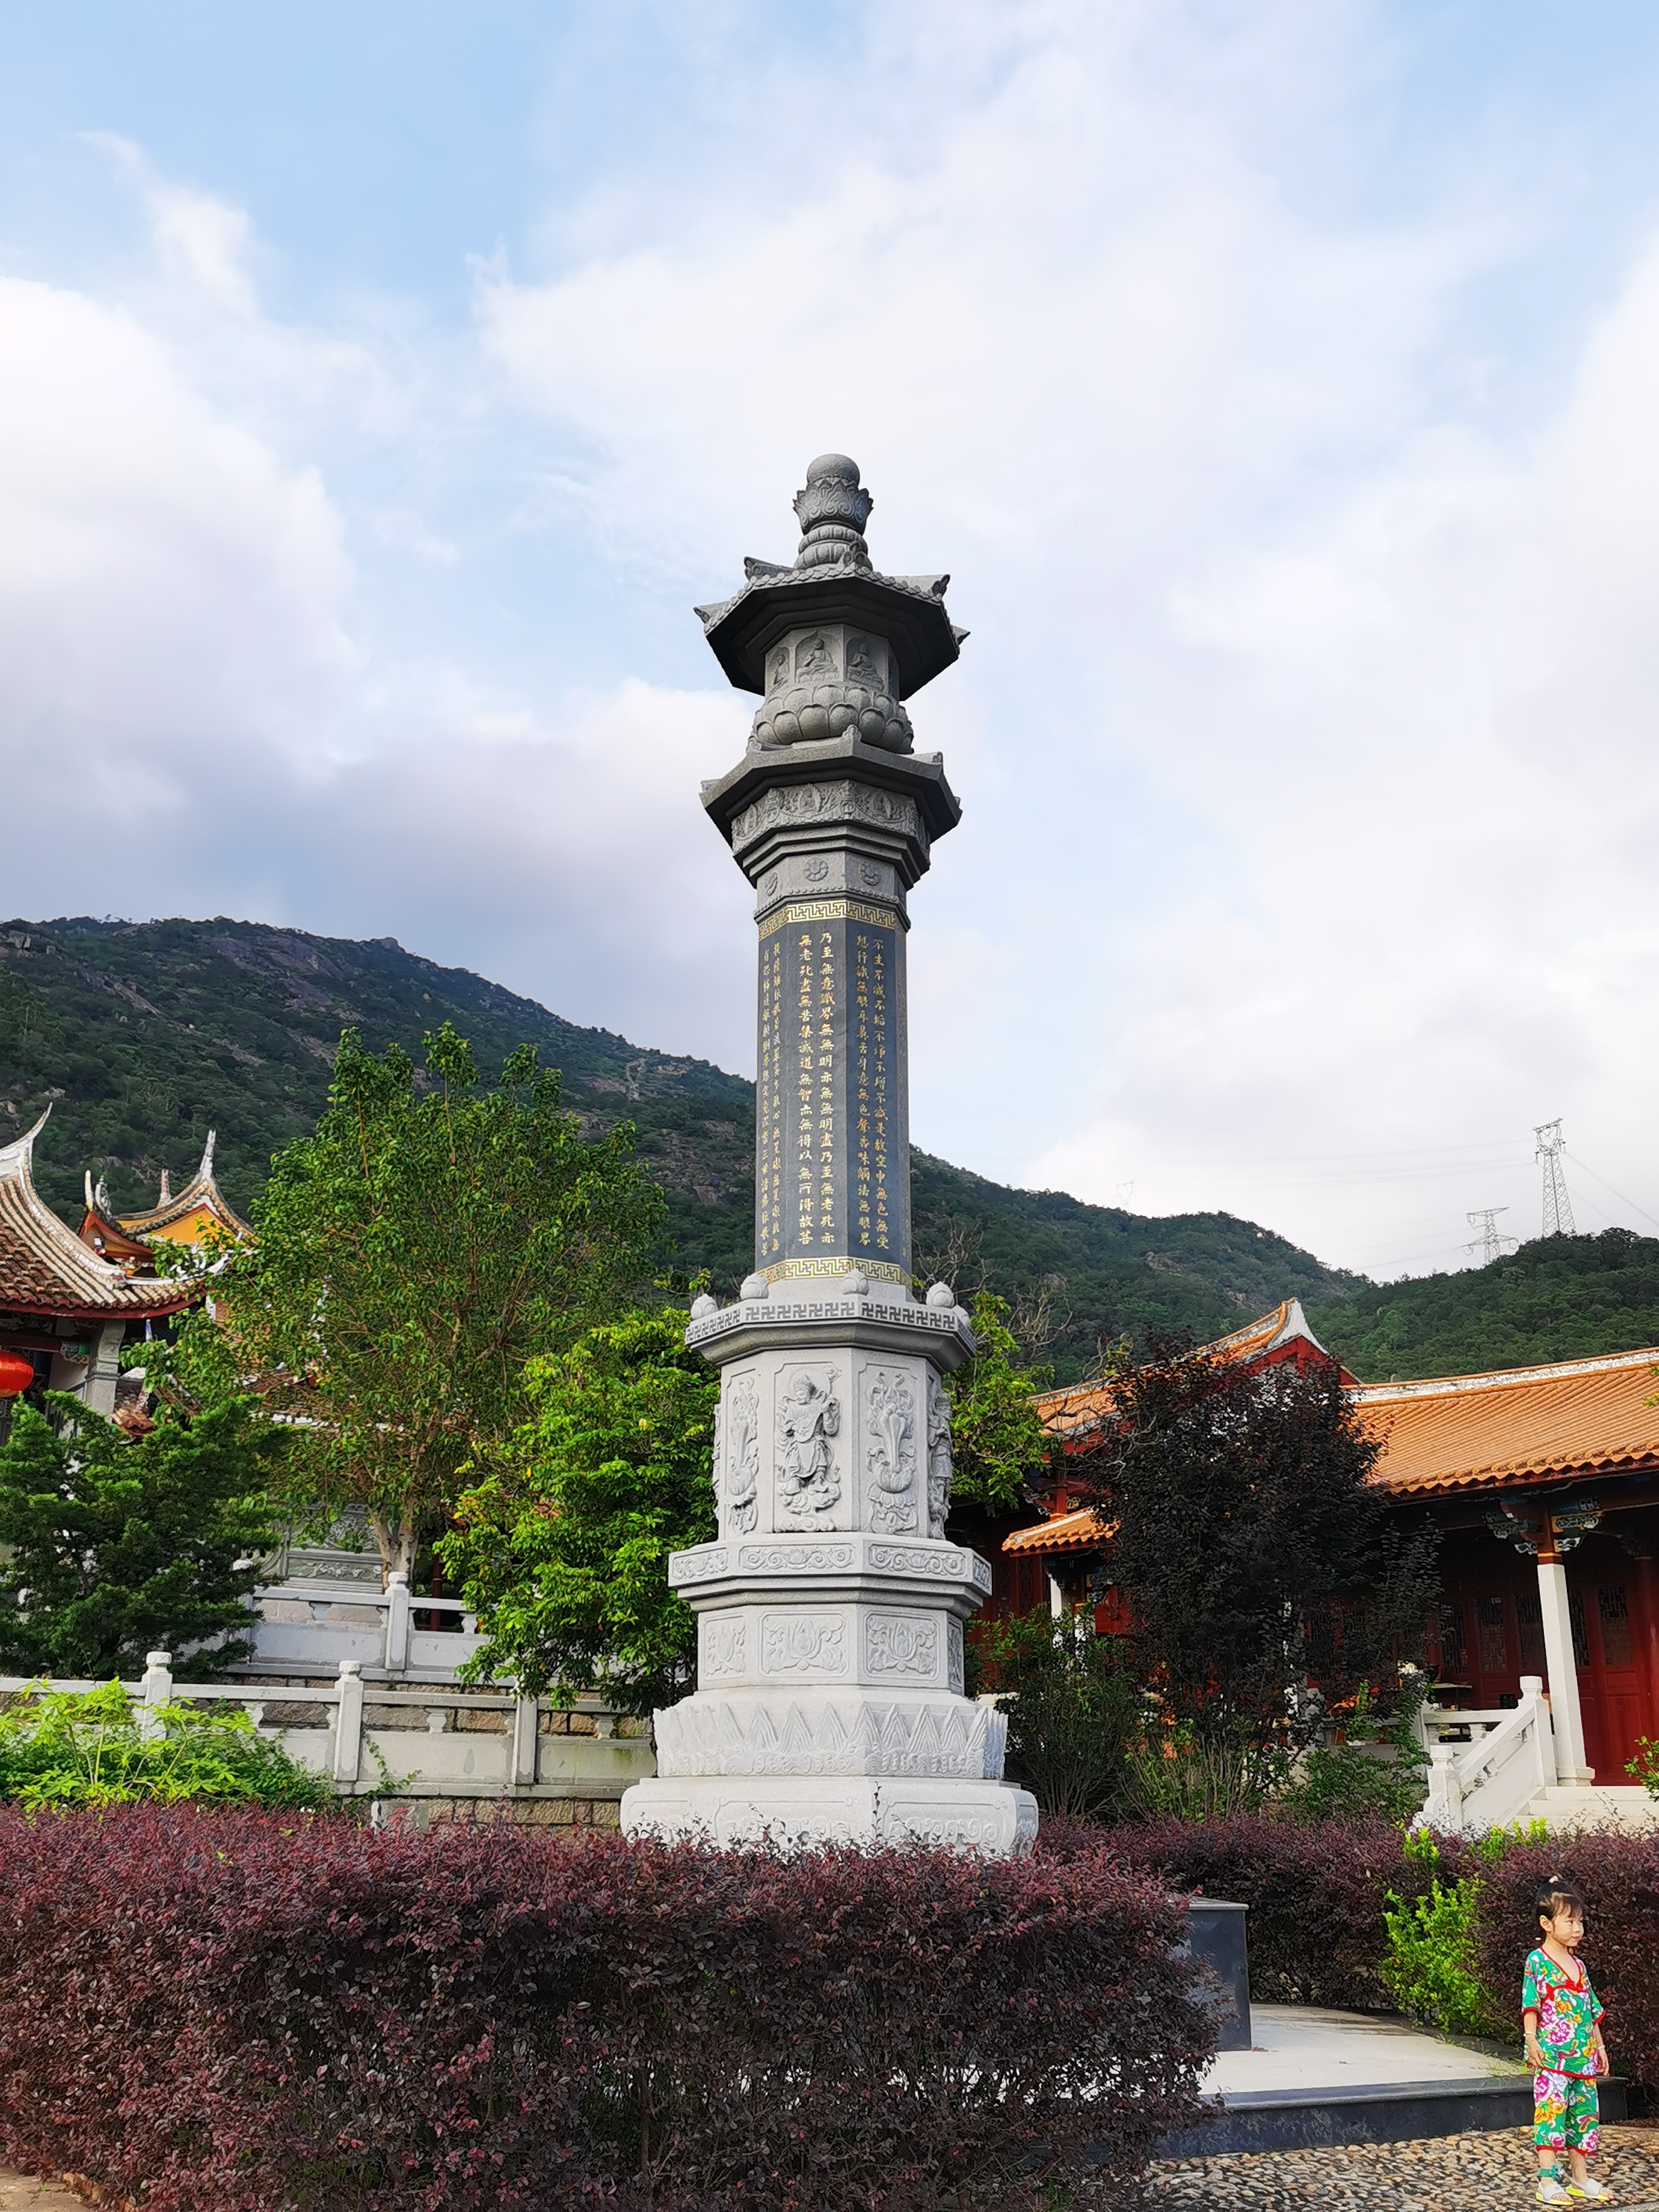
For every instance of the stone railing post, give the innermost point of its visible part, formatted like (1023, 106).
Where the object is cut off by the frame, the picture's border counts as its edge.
(349, 1724)
(526, 1724)
(1444, 1809)
(395, 1655)
(157, 1684)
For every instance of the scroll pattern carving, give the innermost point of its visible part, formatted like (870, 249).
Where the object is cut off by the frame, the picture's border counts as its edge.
(795, 1558)
(954, 1655)
(791, 1646)
(808, 1421)
(894, 1645)
(723, 1643)
(743, 1461)
(699, 1566)
(890, 1420)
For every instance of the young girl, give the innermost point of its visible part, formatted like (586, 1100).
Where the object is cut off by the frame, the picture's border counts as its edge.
(1562, 2022)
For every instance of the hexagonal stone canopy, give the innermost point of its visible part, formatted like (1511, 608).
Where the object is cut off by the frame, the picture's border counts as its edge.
(833, 583)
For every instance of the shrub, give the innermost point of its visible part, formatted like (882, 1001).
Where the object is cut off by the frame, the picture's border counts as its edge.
(1432, 1964)
(238, 2011)
(1074, 1709)
(61, 1748)
(1316, 1930)
(1620, 1875)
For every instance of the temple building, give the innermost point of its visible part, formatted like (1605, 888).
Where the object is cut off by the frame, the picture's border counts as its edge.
(199, 1214)
(69, 1309)
(1544, 1483)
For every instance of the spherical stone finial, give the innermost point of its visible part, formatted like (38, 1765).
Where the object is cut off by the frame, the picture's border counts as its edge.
(754, 1286)
(702, 1306)
(940, 1294)
(832, 510)
(854, 1284)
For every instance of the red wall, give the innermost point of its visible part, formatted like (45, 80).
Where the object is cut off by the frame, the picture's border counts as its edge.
(1491, 1634)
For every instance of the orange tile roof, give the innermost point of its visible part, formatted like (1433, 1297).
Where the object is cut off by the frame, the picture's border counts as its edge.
(170, 1217)
(1067, 1532)
(1492, 1432)
(45, 1268)
(1084, 1406)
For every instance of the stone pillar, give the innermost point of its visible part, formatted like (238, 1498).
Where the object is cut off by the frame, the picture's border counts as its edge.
(829, 1701)
(1571, 1767)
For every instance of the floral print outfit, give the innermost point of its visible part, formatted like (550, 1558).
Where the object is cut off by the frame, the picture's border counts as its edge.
(1565, 2111)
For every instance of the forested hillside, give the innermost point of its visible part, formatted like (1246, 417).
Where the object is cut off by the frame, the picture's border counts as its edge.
(1559, 1297)
(143, 1036)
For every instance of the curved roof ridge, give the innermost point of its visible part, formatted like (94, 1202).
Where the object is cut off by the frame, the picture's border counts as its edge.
(1500, 1378)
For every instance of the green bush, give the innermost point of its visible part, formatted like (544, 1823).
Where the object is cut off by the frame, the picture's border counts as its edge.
(60, 1748)
(1433, 1959)
(1348, 1781)
(1075, 1709)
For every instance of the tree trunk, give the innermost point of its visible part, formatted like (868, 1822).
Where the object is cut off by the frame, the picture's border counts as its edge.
(396, 1539)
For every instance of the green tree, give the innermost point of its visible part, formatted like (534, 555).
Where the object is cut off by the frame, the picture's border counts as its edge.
(997, 1442)
(409, 1260)
(1255, 1556)
(121, 1545)
(1075, 1709)
(564, 1554)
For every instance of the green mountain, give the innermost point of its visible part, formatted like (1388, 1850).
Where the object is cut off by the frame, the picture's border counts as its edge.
(1560, 1297)
(143, 1036)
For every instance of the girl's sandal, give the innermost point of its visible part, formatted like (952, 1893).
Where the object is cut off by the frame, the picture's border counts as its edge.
(1550, 2191)
(1590, 2187)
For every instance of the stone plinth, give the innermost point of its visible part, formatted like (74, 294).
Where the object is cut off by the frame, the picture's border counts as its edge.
(829, 1701)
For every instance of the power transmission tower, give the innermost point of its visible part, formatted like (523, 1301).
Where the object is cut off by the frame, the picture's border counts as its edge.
(1558, 1206)
(1490, 1243)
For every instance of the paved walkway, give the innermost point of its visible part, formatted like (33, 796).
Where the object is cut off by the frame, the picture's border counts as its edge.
(1447, 2173)
(1302, 2050)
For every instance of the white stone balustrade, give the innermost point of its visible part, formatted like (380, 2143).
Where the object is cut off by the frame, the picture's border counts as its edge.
(312, 1627)
(431, 1742)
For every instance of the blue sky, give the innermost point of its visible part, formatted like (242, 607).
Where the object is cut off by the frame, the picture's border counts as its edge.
(1277, 382)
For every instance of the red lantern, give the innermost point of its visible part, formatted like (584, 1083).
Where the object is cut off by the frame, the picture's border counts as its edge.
(16, 1374)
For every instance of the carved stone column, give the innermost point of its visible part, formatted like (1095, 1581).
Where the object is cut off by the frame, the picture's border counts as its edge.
(829, 1701)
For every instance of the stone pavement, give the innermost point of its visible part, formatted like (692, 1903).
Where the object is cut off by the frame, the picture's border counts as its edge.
(21, 2190)
(1445, 2173)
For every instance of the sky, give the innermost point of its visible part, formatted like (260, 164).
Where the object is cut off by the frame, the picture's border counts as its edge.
(1278, 382)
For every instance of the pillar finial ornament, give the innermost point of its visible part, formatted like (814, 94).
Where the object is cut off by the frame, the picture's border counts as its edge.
(831, 1605)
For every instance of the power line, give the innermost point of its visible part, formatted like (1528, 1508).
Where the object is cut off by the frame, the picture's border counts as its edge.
(1558, 1206)
(1491, 1242)
(1579, 1161)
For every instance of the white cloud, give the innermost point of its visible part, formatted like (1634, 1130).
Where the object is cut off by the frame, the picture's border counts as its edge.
(1304, 734)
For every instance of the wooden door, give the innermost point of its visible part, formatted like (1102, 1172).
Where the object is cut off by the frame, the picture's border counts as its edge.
(1609, 1635)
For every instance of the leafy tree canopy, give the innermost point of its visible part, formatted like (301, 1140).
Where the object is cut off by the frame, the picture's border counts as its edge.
(565, 1553)
(410, 1259)
(119, 1547)
(997, 1443)
(1252, 1551)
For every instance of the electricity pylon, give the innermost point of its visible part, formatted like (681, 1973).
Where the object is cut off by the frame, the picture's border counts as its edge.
(1558, 1206)
(1490, 1243)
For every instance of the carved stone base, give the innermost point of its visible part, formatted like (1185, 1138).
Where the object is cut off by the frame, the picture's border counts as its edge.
(798, 1812)
(929, 1738)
